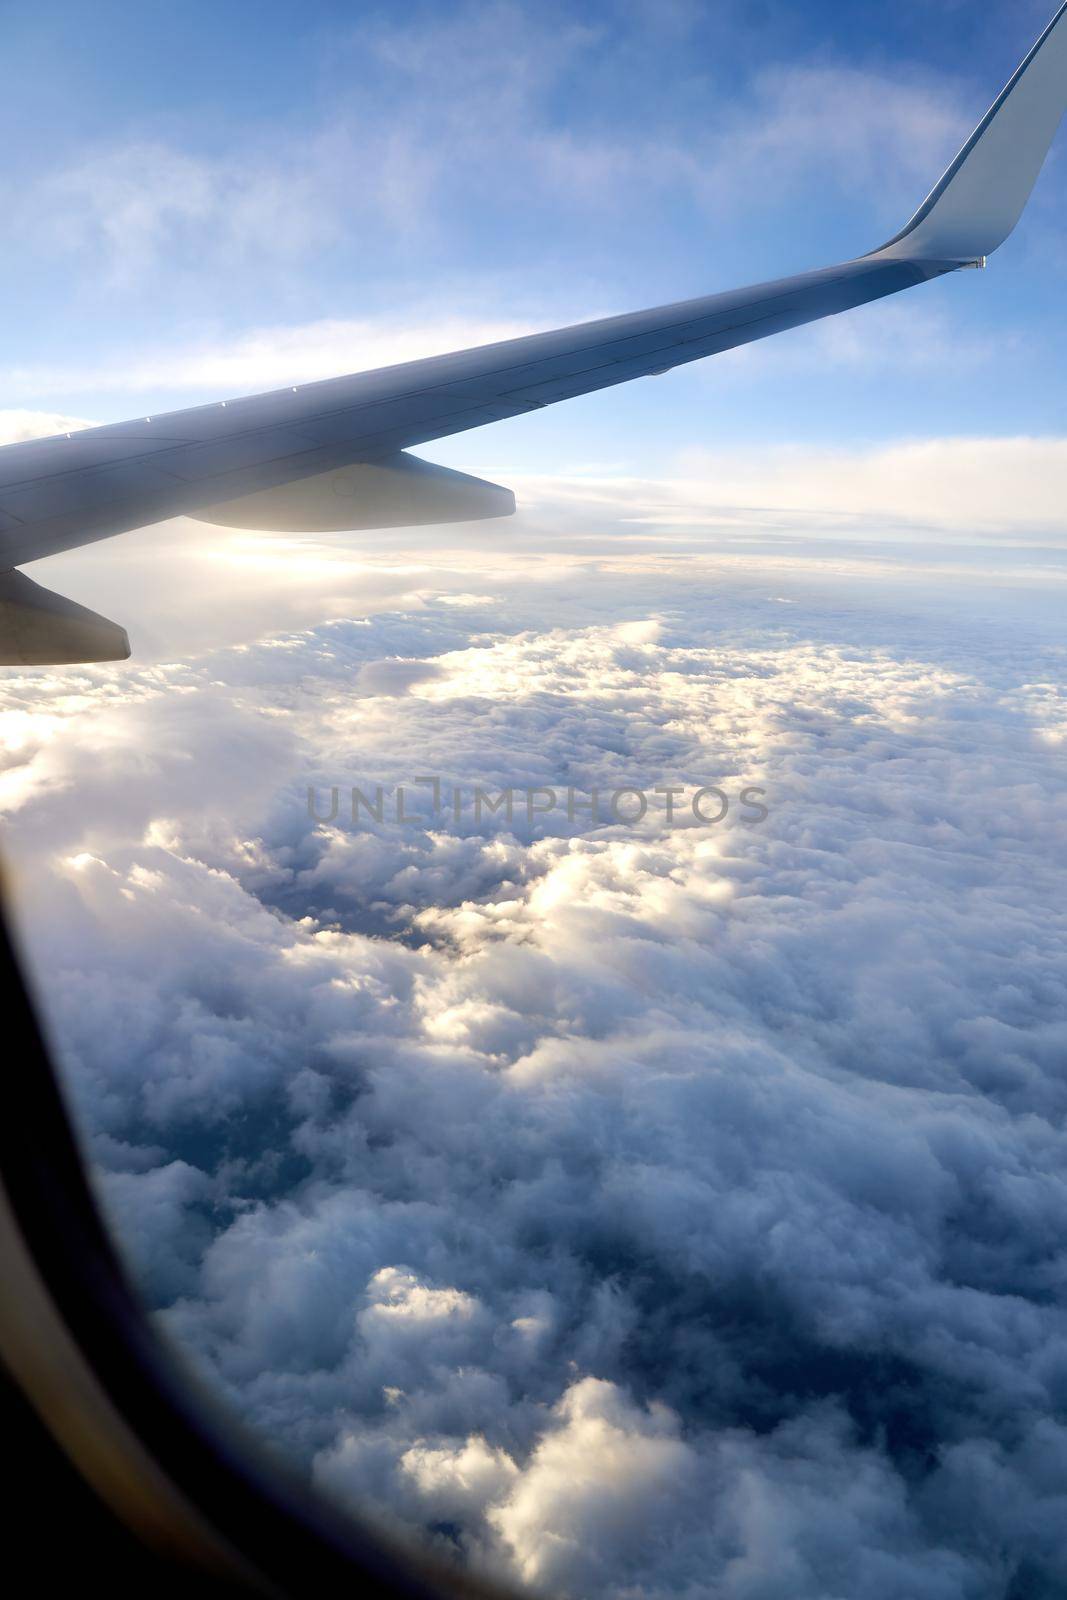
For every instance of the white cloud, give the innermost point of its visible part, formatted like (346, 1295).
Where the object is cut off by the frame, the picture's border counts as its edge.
(630, 1210)
(582, 1508)
(953, 490)
(974, 486)
(865, 128)
(456, 1481)
(130, 206)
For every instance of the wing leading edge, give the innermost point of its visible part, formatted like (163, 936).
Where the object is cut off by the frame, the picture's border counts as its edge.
(70, 490)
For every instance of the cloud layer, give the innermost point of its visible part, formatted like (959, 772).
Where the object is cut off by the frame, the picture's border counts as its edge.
(625, 1210)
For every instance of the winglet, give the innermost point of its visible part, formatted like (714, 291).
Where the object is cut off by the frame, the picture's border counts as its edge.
(977, 203)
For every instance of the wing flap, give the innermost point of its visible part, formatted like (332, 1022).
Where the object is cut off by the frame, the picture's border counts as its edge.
(39, 628)
(398, 492)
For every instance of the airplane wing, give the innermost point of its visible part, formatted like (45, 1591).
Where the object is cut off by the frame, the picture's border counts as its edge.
(332, 455)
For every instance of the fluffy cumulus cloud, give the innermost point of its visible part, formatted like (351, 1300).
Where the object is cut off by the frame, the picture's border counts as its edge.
(633, 1207)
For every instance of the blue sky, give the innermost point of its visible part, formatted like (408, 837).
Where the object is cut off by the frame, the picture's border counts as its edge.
(243, 184)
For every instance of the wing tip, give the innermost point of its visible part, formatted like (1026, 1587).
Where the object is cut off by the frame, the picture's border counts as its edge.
(980, 197)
